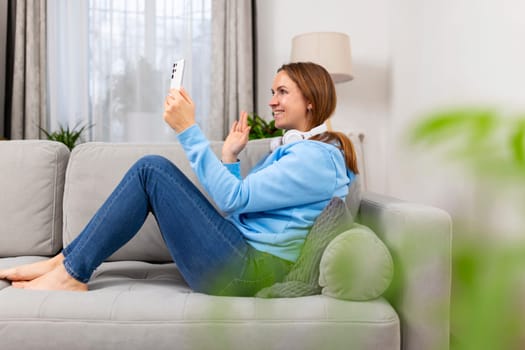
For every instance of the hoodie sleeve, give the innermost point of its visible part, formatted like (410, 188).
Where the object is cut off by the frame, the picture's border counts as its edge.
(296, 174)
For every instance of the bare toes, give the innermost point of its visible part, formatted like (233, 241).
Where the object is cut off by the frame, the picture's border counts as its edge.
(19, 284)
(56, 279)
(9, 274)
(31, 271)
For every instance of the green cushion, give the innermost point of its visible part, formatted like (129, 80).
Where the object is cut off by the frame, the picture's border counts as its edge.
(356, 265)
(304, 275)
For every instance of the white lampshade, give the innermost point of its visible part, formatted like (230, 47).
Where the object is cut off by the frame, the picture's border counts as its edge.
(329, 49)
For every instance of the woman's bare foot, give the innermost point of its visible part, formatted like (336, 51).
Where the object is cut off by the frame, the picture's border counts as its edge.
(56, 279)
(31, 271)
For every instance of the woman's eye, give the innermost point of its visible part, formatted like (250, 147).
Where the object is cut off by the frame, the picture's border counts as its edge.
(280, 92)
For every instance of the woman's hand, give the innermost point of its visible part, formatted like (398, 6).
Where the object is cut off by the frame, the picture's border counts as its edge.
(179, 110)
(236, 139)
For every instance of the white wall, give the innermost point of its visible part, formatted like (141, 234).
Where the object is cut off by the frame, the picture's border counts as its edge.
(363, 104)
(451, 53)
(410, 57)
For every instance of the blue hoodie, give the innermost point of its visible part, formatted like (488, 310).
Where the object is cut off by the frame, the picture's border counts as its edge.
(275, 205)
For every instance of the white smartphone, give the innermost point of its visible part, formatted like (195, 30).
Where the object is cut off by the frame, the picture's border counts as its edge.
(177, 73)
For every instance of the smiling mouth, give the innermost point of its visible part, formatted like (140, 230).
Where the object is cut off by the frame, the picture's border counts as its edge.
(277, 113)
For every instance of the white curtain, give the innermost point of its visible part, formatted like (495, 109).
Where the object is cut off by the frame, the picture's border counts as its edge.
(110, 63)
(67, 64)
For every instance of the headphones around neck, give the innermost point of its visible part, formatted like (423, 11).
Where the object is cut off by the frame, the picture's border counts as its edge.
(293, 135)
(296, 135)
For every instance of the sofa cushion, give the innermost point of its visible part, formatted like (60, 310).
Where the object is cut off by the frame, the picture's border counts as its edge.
(356, 265)
(137, 305)
(96, 168)
(31, 187)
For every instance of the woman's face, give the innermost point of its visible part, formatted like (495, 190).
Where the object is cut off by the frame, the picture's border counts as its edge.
(288, 104)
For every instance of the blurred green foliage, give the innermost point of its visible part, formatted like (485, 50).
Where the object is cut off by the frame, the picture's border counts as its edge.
(487, 295)
(487, 143)
(488, 284)
(260, 128)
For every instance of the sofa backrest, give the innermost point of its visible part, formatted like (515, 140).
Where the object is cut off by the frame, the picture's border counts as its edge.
(42, 208)
(95, 169)
(31, 187)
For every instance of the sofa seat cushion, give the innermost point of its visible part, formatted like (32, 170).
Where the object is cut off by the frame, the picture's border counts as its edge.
(138, 305)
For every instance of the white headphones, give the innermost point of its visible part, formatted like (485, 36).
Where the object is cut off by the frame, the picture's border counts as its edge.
(296, 135)
(293, 135)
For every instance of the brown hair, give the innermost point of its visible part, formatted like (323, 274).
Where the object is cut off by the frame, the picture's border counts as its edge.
(318, 88)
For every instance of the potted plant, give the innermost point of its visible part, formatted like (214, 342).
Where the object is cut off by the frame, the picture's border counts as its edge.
(68, 136)
(260, 128)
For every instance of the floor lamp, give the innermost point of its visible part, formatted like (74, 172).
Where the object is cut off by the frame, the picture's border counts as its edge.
(329, 49)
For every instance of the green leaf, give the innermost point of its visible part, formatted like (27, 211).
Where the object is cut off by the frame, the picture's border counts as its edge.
(470, 123)
(484, 142)
(67, 136)
(260, 128)
(517, 142)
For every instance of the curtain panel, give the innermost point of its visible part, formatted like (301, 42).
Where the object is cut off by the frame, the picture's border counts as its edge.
(232, 68)
(3, 56)
(25, 80)
(68, 69)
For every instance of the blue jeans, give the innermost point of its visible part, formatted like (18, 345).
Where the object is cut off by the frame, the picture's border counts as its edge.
(209, 250)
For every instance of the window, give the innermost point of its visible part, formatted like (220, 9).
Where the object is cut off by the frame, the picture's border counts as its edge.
(127, 48)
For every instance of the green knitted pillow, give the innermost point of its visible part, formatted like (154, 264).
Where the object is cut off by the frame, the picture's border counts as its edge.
(303, 278)
(356, 265)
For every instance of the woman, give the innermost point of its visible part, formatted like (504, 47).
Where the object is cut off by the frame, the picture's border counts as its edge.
(268, 213)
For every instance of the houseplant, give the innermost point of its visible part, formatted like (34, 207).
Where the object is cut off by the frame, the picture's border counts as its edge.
(260, 128)
(68, 136)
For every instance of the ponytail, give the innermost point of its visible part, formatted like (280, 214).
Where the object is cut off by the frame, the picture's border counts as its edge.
(342, 142)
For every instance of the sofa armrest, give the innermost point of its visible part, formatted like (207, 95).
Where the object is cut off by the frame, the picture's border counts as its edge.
(419, 238)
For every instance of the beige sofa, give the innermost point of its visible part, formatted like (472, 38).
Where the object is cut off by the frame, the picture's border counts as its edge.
(138, 300)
